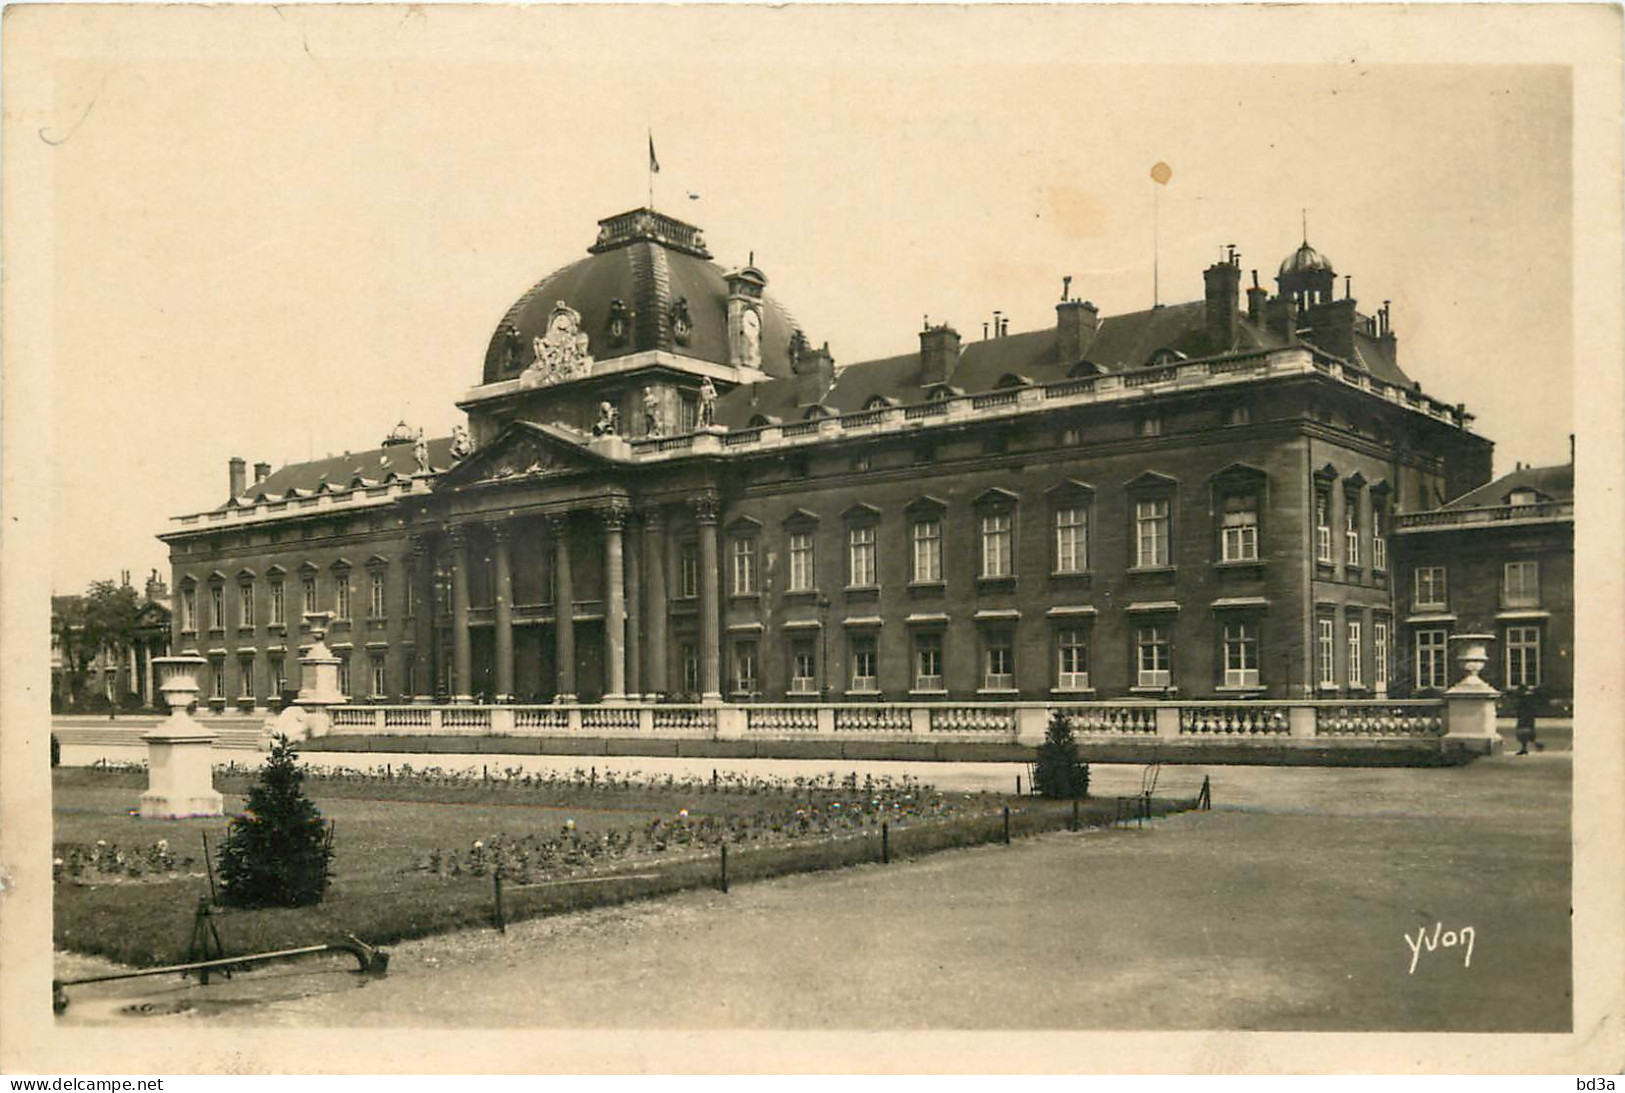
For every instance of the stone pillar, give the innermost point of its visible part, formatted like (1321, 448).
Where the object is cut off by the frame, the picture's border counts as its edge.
(634, 618)
(654, 555)
(503, 643)
(147, 693)
(421, 574)
(462, 653)
(180, 752)
(706, 507)
(1470, 704)
(564, 609)
(614, 518)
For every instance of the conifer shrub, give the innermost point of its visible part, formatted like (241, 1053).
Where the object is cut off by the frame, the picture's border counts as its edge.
(276, 854)
(1059, 772)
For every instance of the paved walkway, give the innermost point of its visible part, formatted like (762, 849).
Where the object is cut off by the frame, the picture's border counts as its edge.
(1288, 907)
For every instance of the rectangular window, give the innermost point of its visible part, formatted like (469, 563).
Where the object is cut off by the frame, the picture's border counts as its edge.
(744, 565)
(1150, 426)
(278, 613)
(1430, 659)
(1071, 540)
(996, 560)
(1323, 527)
(308, 588)
(745, 681)
(375, 596)
(1520, 584)
(998, 662)
(279, 674)
(688, 412)
(217, 668)
(1072, 659)
(688, 570)
(928, 662)
(1356, 670)
(1430, 588)
(1523, 656)
(863, 663)
(1351, 530)
(245, 605)
(1151, 533)
(1379, 653)
(801, 561)
(1325, 653)
(1240, 533)
(803, 667)
(245, 677)
(861, 556)
(927, 551)
(189, 609)
(1153, 657)
(690, 658)
(379, 681)
(1379, 539)
(217, 605)
(341, 596)
(1240, 654)
(344, 674)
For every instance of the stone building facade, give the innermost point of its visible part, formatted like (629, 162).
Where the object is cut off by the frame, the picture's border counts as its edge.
(665, 490)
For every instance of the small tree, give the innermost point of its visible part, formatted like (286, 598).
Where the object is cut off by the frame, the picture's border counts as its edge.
(1059, 772)
(276, 854)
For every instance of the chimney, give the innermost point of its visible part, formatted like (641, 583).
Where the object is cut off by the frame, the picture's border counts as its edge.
(239, 470)
(939, 354)
(1256, 298)
(262, 471)
(1223, 281)
(815, 375)
(1076, 322)
(1331, 326)
(157, 589)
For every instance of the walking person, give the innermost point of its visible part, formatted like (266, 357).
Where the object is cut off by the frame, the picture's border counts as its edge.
(1526, 720)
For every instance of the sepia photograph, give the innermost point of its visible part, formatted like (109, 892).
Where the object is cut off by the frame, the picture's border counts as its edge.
(674, 538)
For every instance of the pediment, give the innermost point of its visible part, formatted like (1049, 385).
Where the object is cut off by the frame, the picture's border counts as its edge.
(524, 451)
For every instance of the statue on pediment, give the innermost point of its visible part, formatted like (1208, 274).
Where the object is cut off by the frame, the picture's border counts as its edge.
(708, 404)
(462, 445)
(609, 420)
(420, 452)
(561, 353)
(652, 424)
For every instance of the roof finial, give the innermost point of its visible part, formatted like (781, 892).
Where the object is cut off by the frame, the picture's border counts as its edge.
(1305, 226)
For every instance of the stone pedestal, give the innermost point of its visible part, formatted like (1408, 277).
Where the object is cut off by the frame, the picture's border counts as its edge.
(1470, 704)
(180, 752)
(319, 677)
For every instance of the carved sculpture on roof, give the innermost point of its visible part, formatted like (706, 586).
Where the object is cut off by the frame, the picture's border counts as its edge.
(609, 420)
(682, 324)
(524, 458)
(652, 423)
(618, 327)
(513, 347)
(750, 339)
(420, 452)
(561, 353)
(462, 445)
(708, 404)
(798, 346)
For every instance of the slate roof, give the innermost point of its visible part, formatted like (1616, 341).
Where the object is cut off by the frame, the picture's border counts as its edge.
(338, 471)
(1549, 484)
(1122, 342)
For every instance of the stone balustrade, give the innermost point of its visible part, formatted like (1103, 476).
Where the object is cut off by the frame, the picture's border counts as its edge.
(1298, 723)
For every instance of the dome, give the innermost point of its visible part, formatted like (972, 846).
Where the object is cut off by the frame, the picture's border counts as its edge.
(647, 283)
(401, 434)
(1304, 260)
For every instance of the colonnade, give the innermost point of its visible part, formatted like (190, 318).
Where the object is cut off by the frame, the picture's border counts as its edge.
(636, 603)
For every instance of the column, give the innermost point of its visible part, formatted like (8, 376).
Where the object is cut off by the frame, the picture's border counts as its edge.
(564, 609)
(148, 693)
(654, 555)
(462, 653)
(420, 572)
(614, 518)
(503, 644)
(634, 619)
(705, 514)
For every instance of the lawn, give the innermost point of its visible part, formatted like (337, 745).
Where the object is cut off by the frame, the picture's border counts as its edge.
(415, 852)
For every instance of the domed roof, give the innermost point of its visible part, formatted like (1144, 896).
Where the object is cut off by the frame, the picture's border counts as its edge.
(1304, 260)
(647, 283)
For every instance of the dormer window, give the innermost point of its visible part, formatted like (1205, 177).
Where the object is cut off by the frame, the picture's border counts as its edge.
(1523, 497)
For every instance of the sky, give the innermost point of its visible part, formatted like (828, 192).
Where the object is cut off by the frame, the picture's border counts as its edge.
(276, 242)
